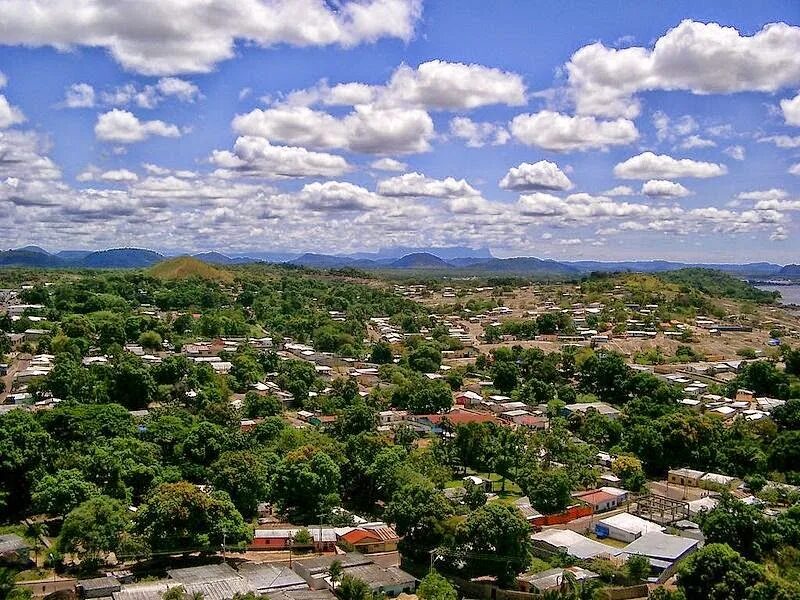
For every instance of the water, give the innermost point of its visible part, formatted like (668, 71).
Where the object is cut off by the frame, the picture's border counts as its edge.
(790, 294)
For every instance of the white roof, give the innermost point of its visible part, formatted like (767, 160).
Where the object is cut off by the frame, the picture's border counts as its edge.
(574, 543)
(631, 524)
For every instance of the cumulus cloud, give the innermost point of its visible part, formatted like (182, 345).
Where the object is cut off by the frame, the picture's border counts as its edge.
(9, 114)
(478, 134)
(439, 84)
(366, 129)
(794, 169)
(695, 141)
(661, 166)
(388, 164)
(735, 152)
(169, 37)
(79, 95)
(124, 127)
(337, 196)
(254, 156)
(620, 190)
(561, 133)
(702, 58)
(662, 188)
(416, 184)
(542, 175)
(791, 110)
(782, 141)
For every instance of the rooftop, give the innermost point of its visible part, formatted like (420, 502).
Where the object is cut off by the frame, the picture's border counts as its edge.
(661, 546)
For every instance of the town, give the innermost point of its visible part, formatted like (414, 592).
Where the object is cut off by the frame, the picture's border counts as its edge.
(191, 430)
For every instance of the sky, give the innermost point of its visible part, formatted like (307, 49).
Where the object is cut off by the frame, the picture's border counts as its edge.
(566, 130)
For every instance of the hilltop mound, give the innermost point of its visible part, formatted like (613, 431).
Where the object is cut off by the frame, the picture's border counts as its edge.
(186, 267)
(420, 260)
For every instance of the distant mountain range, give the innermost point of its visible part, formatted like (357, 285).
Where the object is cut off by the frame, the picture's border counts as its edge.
(457, 260)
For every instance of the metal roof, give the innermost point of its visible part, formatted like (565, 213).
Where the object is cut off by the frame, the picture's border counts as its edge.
(661, 546)
(204, 573)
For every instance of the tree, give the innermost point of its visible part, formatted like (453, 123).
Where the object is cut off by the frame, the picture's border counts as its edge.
(742, 527)
(606, 376)
(787, 416)
(549, 490)
(496, 541)
(60, 493)
(94, 528)
(506, 374)
(436, 587)
(261, 405)
(335, 572)
(150, 340)
(353, 588)
(24, 447)
(180, 517)
(244, 475)
(357, 418)
(717, 572)
(305, 486)
(417, 509)
(426, 358)
(474, 496)
(381, 353)
(784, 452)
(629, 470)
(638, 568)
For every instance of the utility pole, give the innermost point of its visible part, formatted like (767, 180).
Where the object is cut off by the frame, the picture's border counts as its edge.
(224, 538)
(320, 533)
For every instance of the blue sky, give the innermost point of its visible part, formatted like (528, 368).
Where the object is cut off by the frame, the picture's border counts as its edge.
(564, 130)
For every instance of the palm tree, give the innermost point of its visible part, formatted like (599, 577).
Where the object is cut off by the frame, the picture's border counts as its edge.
(335, 572)
(37, 531)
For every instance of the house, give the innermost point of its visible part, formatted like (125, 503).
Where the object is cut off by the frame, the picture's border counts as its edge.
(582, 407)
(371, 538)
(267, 578)
(390, 580)
(573, 544)
(524, 506)
(599, 500)
(624, 527)
(98, 587)
(715, 481)
(664, 552)
(13, 549)
(468, 398)
(324, 539)
(552, 579)
(685, 477)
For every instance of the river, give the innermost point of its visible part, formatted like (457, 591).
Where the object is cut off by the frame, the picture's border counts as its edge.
(790, 294)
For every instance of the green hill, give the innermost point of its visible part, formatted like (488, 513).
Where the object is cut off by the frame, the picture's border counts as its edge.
(187, 267)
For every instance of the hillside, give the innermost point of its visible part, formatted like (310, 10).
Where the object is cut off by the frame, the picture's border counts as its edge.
(120, 258)
(420, 260)
(187, 267)
(790, 272)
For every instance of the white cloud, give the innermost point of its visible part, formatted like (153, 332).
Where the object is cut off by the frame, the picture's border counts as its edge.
(119, 176)
(661, 166)
(254, 156)
(3, 80)
(416, 184)
(664, 189)
(561, 133)
(388, 164)
(337, 196)
(758, 195)
(782, 141)
(620, 190)
(703, 58)
(150, 96)
(794, 169)
(173, 37)
(478, 134)
(9, 114)
(125, 128)
(444, 85)
(695, 141)
(367, 129)
(183, 90)
(791, 110)
(735, 152)
(542, 175)
(79, 95)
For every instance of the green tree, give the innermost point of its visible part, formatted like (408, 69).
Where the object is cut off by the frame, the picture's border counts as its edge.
(742, 527)
(549, 490)
(353, 588)
(150, 340)
(436, 587)
(24, 449)
(180, 517)
(629, 470)
(418, 510)
(506, 375)
(638, 568)
(244, 475)
(717, 572)
(426, 358)
(306, 486)
(496, 539)
(94, 528)
(59, 493)
(381, 353)
(335, 572)
(261, 405)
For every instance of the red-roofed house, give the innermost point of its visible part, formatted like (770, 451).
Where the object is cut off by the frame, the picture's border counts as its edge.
(372, 539)
(599, 500)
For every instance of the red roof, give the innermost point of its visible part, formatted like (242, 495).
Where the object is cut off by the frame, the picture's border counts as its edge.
(595, 497)
(459, 417)
(378, 534)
